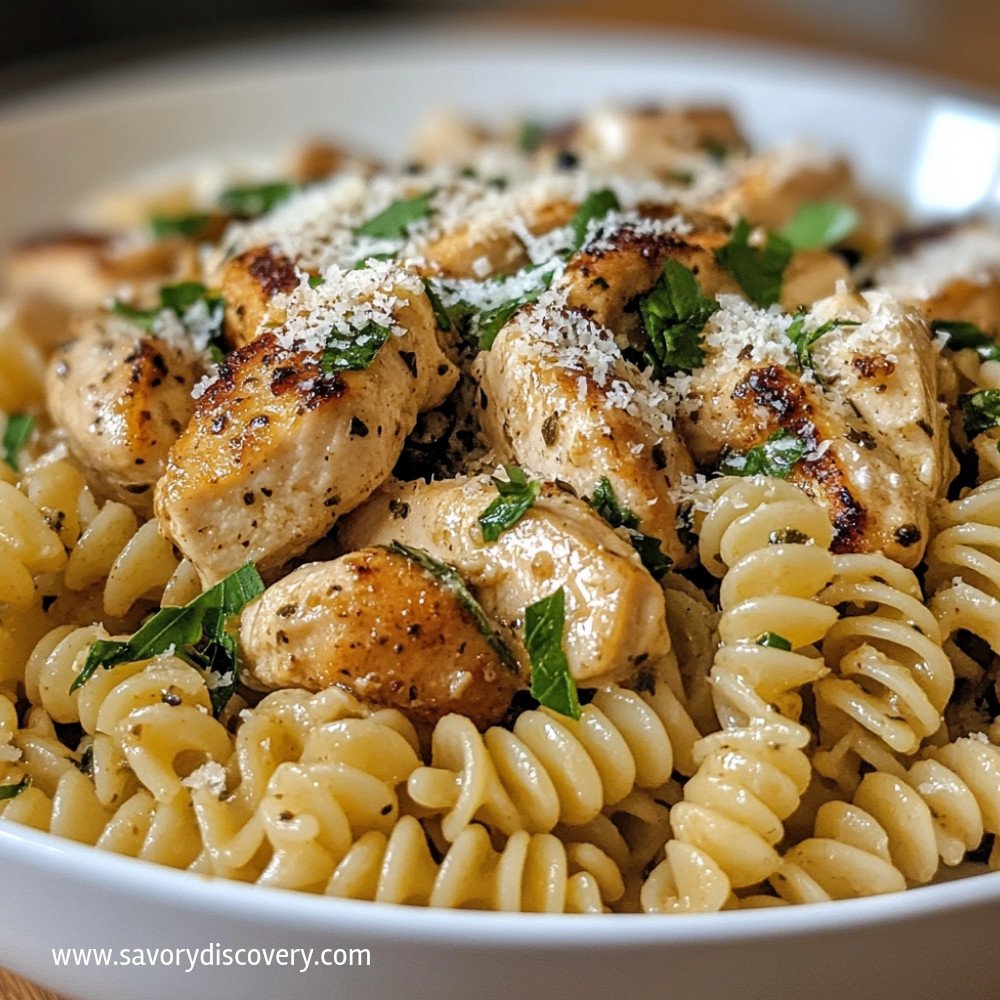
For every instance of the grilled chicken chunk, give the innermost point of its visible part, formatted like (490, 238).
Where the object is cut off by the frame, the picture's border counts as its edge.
(658, 140)
(122, 397)
(557, 397)
(379, 625)
(249, 282)
(279, 448)
(615, 611)
(80, 270)
(875, 450)
(604, 279)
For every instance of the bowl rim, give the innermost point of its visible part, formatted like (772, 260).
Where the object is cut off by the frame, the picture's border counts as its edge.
(291, 910)
(102, 92)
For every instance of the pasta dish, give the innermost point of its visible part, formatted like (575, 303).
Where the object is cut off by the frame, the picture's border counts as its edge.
(599, 517)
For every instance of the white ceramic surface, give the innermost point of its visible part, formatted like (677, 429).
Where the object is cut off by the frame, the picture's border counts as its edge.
(937, 150)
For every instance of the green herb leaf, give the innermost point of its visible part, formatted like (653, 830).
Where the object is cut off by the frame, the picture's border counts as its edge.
(255, 199)
(530, 136)
(353, 352)
(774, 641)
(391, 223)
(981, 411)
(181, 297)
(444, 320)
(452, 579)
(552, 683)
(189, 226)
(198, 631)
(178, 299)
(803, 339)
(716, 149)
(819, 224)
(967, 335)
(315, 280)
(516, 498)
(777, 456)
(491, 322)
(757, 271)
(674, 314)
(596, 205)
(15, 437)
(605, 502)
(12, 791)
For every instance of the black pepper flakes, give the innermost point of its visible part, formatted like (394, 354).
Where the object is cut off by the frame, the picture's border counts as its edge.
(358, 428)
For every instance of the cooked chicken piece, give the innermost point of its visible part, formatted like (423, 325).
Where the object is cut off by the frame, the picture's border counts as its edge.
(557, 397)
(606, 279)
(876, 450)
(82, 270)
(377, 624)
(468, 250)
(279, 448)
(615, 612)
(769, 189)
(248, 284)
(953, 272)
(447, 139)
(658, 140)
(122, 397)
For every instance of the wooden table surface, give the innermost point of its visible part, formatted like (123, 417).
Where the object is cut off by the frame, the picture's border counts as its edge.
(950, 37)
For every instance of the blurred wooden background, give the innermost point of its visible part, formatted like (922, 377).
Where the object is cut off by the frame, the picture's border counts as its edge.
(950, 38)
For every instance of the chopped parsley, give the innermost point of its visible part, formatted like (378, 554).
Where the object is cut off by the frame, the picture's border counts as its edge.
(12, 791)
(774, 641)
(758, 272)
(516, 497)
(530, 136)
(777, 456)
(596, 205)
(962, 335)
(315, 280)
(605, 502)
(179, 299)
(674, 313)
(981, 411)
(552, 684)
(492, 321)
(449, 577)
(803, 339)
(391, 223)
(15, 437)
(353, 353)
(198, 632)
(716, 149)
(820, 224)
(255, 199)
(441, 314)
(191, 227)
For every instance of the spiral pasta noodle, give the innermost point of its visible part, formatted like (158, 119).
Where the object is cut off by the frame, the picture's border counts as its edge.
(899, 827)
(551, 769)
(889, 674)
(532, 873)
(68, 558)
(770, 544)
(963, 572)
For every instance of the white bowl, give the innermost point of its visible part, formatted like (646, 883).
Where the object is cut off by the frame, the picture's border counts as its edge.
(937, 150)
